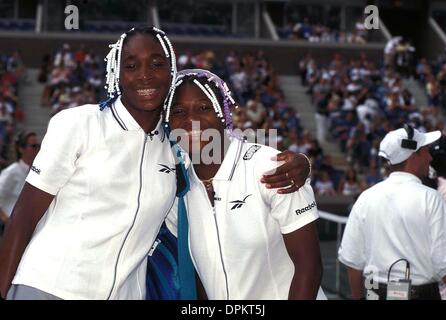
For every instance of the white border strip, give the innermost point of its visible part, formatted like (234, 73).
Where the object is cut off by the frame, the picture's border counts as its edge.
(332, 217)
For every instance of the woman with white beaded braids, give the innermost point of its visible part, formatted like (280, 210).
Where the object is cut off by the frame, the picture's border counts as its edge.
(246, 241)
(100, 187)
(95, 197)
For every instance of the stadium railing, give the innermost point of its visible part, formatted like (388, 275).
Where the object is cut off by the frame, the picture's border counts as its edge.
(340, 221)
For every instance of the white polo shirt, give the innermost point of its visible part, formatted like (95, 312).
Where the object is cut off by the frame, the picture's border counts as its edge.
(12, 180)
(113, 186)
(397, 218)
(239, 251)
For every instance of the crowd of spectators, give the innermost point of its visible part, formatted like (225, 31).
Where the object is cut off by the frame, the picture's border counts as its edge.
(12, 70)
(359, 103)
(319, 32)
(432, 76)
(71, 78)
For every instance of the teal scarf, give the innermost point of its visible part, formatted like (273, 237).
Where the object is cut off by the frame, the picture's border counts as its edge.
(188, 290)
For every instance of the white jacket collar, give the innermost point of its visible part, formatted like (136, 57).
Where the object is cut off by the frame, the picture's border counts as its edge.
(230, 160)
(128, 123)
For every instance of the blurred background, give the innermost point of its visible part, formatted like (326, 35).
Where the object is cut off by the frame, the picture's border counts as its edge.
(309, 69)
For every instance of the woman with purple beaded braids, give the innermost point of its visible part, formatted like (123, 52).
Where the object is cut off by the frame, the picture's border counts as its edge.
(100, 187)
(246, 241)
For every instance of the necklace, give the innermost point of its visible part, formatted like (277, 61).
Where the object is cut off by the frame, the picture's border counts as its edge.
(207, 183)
(209, 189)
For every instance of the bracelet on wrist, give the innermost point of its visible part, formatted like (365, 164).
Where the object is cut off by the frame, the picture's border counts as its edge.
(309, 163)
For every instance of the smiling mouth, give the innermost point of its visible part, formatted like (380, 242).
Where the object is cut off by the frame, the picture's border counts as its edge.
(149, 93)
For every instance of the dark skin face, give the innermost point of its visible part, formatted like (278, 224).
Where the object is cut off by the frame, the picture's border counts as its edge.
(144, 78)
(191, 104)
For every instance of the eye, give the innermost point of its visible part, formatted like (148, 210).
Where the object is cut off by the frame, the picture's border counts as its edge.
(158, 63)
(205, 107)
(176, 111)
(130, 66)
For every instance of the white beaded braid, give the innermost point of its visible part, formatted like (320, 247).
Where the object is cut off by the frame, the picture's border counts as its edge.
(158, 30)
(217, 106)
(173, 72)
(228, 92)
(113, 60)
(169, 103)
(163, 45)
(207, 91)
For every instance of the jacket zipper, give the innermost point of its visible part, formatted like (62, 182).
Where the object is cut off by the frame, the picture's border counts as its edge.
(134, 218)
(219, 245)
(221, 254)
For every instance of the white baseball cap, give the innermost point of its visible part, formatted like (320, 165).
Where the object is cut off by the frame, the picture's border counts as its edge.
(391, 146)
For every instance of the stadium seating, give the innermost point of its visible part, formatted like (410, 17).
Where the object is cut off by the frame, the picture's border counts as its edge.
(17, 24)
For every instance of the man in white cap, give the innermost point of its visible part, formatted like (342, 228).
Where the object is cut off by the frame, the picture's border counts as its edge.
(398, 220)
